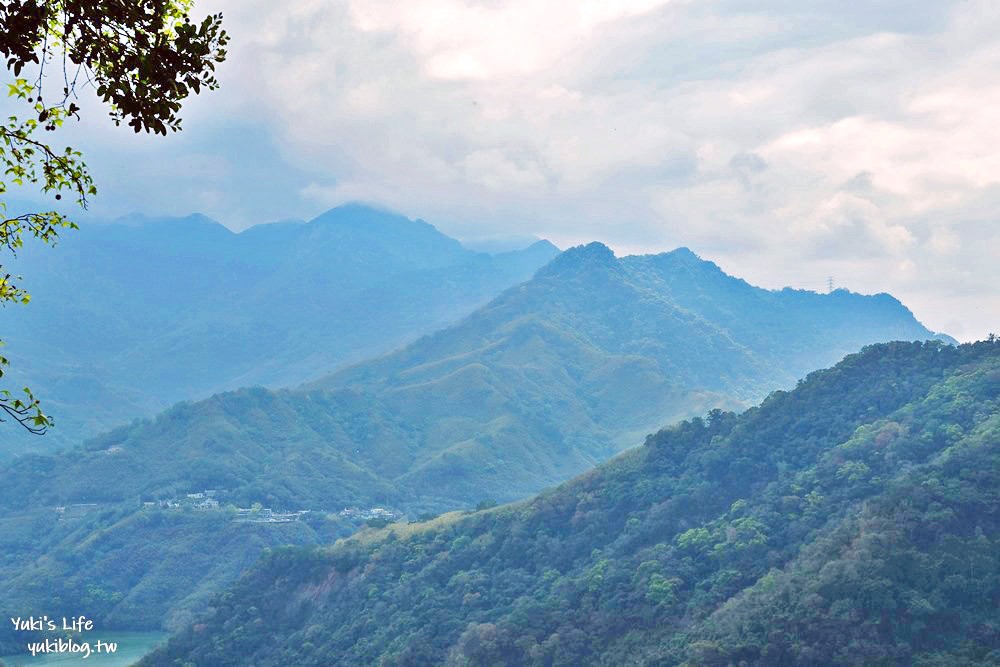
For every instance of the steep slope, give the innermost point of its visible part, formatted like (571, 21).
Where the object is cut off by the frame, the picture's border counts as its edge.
(173, 309)
(603, 350)
(553, 376)
(547, 380)
(701, 326)
(832, 524)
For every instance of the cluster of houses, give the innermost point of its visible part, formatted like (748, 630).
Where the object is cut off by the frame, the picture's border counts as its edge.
(267, 515)
(202, 500)
(207, 500)
(76, 511)
(367, 514)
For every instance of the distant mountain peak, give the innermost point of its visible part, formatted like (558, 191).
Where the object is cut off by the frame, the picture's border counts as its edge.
(593, 249)
(358, 212)
(682, 264)
(683, 252)
(200, 218)
(591, 256)
(543, 244)
(684, 256)
(500, 243)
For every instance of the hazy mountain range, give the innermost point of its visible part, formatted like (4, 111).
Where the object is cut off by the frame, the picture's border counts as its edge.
(132, 316)
(551, 377)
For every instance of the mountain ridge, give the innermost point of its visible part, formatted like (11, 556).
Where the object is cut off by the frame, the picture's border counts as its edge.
(549, 378)
(349, 284)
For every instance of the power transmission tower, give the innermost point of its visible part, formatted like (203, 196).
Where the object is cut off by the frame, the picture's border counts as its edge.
(829, 284)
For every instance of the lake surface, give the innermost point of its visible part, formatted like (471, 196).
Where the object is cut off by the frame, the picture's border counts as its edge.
(131, 647)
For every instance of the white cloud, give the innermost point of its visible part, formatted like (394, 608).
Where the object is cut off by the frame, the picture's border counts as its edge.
(789, 141)
(461, 40)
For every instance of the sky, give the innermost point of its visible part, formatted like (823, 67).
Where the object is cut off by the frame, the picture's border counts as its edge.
(788, 142)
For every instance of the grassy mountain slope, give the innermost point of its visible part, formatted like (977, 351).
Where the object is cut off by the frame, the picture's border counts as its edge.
(132, 316)
(833, 524)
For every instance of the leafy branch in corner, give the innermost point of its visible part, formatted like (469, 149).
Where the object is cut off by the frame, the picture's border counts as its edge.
(142, 58)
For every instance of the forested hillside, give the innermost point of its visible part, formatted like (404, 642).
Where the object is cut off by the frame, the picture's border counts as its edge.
(139, 570)
(697, 325)
(852, 519)
(131, 316)
(550, 378)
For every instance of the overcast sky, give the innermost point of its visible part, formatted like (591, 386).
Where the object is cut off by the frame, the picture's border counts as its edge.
(787, 142)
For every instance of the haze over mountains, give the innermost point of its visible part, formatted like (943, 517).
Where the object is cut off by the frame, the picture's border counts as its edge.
(130, 317)
(595, 352)
(551, 377)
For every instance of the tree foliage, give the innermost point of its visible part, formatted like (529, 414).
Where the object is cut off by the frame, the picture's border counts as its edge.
(141, 57)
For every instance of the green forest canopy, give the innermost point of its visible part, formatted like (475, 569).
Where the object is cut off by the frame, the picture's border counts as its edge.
(834, 523)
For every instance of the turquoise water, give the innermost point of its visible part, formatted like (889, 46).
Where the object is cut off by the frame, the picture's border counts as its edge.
(131, 647)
